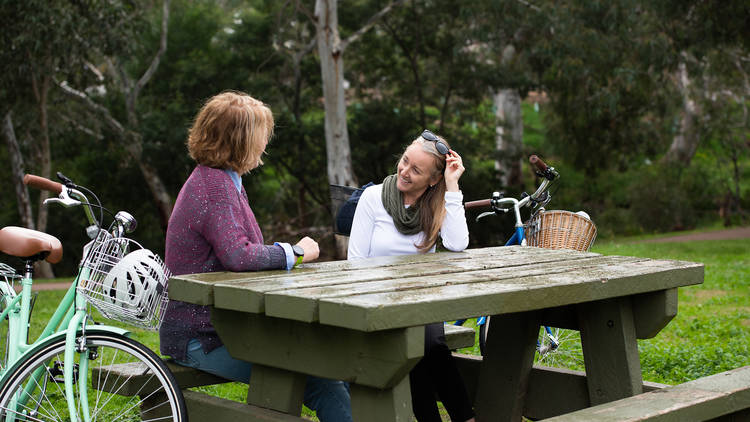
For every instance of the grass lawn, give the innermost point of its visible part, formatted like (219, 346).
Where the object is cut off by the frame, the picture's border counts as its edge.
(710, 334)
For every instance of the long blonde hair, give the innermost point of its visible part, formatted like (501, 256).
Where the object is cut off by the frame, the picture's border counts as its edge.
(432, 202)
(231, 131)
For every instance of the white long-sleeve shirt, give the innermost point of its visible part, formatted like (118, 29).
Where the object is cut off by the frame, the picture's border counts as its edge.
(374, 234)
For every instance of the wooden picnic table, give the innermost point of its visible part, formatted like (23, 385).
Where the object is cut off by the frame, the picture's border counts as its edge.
(361, 321)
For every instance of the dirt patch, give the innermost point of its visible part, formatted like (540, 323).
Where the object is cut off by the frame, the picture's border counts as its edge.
(45, 286)
(702, 296)
(734, 233)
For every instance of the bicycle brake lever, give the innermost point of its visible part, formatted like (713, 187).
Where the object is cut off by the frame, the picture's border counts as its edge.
(63, 199)
(484, 214)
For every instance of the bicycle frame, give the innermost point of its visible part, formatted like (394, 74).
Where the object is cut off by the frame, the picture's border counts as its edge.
(69, 319)
(500, 204)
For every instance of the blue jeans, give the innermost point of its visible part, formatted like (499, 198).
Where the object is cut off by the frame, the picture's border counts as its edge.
(328, 398)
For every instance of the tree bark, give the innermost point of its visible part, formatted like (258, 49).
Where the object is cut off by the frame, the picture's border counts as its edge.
(685, 142)
(41, 87)
(17, 171)
(331, 52)
(508, 136)
(338, 151)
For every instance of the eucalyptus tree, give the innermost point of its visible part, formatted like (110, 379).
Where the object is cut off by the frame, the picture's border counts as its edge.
(125, 77)
(705, 37)
(331, 48)
(44, 42)
(602, 65)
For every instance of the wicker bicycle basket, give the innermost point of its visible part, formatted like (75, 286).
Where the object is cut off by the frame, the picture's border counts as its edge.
(125, 282)
(558, 229)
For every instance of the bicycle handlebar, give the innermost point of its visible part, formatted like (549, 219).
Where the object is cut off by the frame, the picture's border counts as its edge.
(497, 203)
(42, 183)
(482, 203)
(66, 196)
(538, 163)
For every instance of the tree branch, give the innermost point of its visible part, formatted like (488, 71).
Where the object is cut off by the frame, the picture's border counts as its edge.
(98, 136)
(162, 49)
(530, 6)
(92, 105)
(370, 23)
(305, 11)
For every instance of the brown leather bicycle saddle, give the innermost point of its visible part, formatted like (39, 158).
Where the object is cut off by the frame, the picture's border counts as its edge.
(25, 243)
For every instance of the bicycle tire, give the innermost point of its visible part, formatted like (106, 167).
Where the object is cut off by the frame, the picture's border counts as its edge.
(563, 350)
(566, 353)
(161, 400)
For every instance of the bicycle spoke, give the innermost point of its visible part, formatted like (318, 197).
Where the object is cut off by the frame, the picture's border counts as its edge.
(102, 384)
(559, 348)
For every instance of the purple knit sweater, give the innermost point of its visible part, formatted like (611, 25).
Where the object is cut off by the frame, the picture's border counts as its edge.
(212, 228)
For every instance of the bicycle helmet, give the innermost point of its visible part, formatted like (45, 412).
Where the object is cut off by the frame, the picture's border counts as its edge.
(137, 281)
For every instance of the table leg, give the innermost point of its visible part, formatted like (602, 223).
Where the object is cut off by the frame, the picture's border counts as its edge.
(505, 369)
(375, 405)
(610, 350)
(277, 389)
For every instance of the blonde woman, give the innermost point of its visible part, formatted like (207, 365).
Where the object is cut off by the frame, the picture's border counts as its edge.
(212, 228)
(406, 214)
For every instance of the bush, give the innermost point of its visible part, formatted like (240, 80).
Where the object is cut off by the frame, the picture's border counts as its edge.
(659, 201)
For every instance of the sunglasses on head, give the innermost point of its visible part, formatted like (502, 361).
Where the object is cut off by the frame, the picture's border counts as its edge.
(441, 147)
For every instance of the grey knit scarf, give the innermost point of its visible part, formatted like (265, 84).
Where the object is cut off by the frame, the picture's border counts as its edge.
(406, 219)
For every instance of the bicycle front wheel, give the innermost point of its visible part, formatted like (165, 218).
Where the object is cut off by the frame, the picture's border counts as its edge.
(124, 381)
(559, 348)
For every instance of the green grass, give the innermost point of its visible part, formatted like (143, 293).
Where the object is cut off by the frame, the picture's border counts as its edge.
(711, 332)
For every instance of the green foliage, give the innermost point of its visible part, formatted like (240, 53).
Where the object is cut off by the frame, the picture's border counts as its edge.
(610, 105)
(602, 84)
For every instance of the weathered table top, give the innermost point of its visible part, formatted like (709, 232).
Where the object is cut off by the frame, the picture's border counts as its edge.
(393, 292)
(390, 294)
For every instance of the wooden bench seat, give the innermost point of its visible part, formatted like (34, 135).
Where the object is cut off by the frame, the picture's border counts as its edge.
(205, 407)
(458, 336)
(202, 406)
(721, 397)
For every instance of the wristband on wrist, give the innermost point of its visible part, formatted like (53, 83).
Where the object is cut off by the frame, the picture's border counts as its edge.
(299, 253)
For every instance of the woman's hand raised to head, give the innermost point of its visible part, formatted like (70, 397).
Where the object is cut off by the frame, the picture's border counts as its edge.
(454, 168)
(311, 249)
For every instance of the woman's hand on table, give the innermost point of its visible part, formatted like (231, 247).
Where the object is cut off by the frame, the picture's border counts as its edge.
(312, 251)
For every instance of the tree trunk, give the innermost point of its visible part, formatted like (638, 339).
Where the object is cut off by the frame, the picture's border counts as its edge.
(331, 52)
(509, 137)
(16, 164)
(338, 151)
(134, 147)
(685, 142)
(158, 191)
(43, 269)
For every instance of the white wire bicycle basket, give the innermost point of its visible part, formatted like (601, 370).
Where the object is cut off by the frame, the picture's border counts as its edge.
(557, 229)
(125, 282)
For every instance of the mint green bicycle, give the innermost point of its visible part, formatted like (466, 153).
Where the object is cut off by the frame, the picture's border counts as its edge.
(79, 370)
